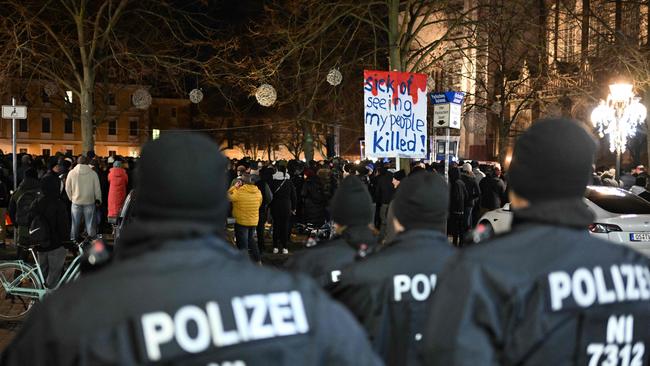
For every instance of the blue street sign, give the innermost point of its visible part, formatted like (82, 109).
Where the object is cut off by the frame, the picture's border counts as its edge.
(447, 97)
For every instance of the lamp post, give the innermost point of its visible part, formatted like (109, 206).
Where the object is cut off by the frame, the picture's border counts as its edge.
(618, 117)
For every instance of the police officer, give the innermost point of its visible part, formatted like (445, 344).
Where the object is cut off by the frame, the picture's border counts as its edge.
(390, 290)
(351, 211)
(548, 293)
(178, 294)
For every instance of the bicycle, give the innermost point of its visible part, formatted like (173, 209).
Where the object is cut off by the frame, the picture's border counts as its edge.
(23, 284)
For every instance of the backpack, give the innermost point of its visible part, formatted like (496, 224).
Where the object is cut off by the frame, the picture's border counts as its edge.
(23, 205)
(39, 232)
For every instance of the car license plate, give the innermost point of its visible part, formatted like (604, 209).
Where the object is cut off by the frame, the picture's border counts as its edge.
(639, 236)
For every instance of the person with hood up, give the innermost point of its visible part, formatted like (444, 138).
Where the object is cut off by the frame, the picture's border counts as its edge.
(608, 179)
(282, 206)
(351, 210)
(246, 201)
(548, 292)
(178, 294)
(389, 292)
(83, 189)
(19, 205)
(51, 209)
(118, 181)
(316, 193)
(472, 205)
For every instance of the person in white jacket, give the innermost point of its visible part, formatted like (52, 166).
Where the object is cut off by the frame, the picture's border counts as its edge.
(82, 187)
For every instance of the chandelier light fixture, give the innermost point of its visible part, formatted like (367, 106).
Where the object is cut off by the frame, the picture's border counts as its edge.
(618, 117)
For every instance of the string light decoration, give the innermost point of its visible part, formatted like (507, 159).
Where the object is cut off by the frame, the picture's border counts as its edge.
(334, 77)
(141, 99)
(196, 96)
(266, 95)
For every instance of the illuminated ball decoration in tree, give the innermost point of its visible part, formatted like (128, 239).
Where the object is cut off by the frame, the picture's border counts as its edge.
(266, 95)
(196, 96)
(141, 99)
(334, 77)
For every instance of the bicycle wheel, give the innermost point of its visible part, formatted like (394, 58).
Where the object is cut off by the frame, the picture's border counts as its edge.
(16, 306)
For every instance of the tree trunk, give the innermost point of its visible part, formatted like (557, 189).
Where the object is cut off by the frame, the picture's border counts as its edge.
(308, 141)
(395, 58)
(646, 102)
(87, 111)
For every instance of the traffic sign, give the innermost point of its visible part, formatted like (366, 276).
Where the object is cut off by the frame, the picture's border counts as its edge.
(14, 112)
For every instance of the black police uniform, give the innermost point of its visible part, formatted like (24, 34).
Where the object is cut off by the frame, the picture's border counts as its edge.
(325, 261)
(548, 293)
(194, 300)
(390, 291)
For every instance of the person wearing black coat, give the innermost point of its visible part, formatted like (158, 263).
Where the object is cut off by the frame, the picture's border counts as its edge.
(159, 302)
(458, 198)
(282, 207)
(472, 205)
(547, 293)
(384, 192)
(267, 197)
(51, 209)
(493, 192)
(351, 210)
(316, 193)
(389, 292)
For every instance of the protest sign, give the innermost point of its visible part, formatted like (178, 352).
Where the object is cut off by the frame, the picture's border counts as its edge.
(395, 114)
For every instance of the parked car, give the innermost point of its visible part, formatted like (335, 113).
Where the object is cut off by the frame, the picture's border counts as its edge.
(620, 217)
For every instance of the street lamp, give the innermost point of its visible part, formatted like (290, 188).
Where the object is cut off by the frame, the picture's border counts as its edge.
(618, 117)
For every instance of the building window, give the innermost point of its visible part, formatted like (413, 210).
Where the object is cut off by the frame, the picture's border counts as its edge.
(173, 112)
(67, 127)
(154, 111)
(69, 152)
(46, 125)
(44, 97)
(133, 128)
(46, 152)
(22, 151)
(112, 127)
(68, 96)
(112, 152)
(22, 125)
(111, 99)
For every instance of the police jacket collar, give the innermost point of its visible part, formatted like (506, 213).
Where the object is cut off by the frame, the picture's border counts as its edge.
(417, 235)
(571, 213)
(142, 236)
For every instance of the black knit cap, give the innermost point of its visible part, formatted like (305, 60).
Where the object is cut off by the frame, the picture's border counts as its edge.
(422, 202)
(181, 177)
(552, 160)
(351, 204)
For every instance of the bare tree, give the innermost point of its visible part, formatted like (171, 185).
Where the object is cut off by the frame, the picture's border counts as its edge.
(72, 42)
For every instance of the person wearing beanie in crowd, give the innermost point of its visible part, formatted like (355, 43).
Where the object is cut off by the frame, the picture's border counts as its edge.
(478, 174)
(118, 181)
(389, 291)
(547, 293)
(177, 293)
(398, 177)
(351, 211)
(246, 201)
(20, 203)
(458, 202)
(384, 192)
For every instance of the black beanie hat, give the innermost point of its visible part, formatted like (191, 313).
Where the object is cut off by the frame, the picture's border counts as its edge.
(552, 160)
(422, 202)
(181, 176)
(399, 175)
(351, 204)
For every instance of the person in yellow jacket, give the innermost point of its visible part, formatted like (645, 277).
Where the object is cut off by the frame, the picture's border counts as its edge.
(246, 200)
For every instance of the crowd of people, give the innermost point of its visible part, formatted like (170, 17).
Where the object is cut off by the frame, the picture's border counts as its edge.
(300, 193)
(390, 288)
(54, 197)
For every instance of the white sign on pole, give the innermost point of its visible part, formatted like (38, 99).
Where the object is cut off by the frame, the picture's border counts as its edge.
(447, 115)
(14, 112)
(395, 107)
